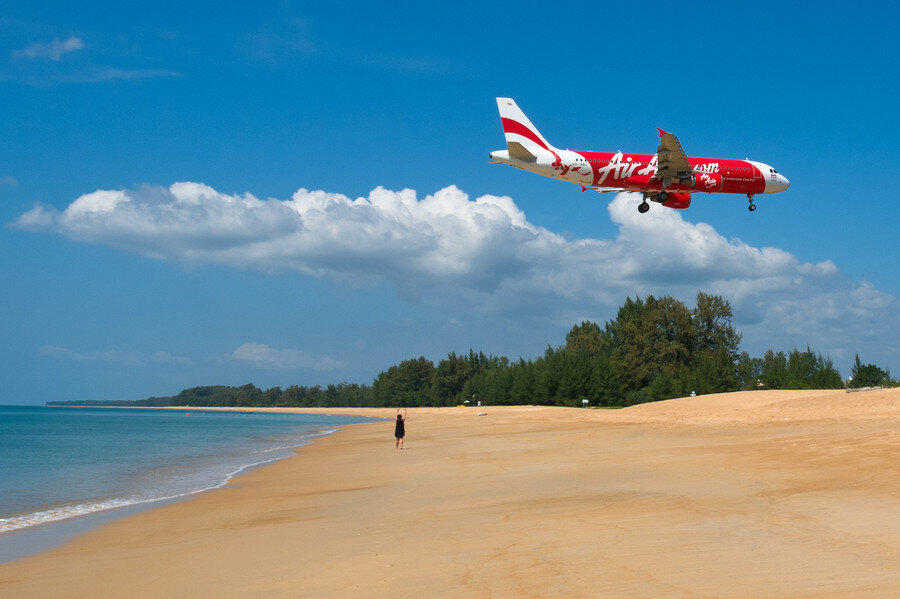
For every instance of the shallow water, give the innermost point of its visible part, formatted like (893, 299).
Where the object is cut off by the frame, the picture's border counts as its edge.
(58, 464)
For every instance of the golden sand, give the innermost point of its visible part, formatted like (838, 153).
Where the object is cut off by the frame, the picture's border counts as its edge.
(759, 494)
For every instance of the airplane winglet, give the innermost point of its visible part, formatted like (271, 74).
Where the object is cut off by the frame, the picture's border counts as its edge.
(661, 132)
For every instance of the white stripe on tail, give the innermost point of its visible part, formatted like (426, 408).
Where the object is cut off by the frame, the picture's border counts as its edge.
(519, 130)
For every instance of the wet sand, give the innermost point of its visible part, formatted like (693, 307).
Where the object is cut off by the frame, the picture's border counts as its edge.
(759, 494)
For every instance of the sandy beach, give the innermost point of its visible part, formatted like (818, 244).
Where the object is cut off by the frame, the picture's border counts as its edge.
(755, 494)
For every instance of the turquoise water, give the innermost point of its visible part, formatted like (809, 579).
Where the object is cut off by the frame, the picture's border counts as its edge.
(57, 464)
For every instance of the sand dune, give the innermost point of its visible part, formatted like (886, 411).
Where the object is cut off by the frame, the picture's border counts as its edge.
(749, 407)
(760, 494)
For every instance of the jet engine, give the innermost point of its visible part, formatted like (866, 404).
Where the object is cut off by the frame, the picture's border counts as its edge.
(677, 200)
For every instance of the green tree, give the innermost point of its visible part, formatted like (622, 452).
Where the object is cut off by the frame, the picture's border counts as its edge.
(809, 370)
(663, 386)
(712, 323)
(713, 371)
(749, 371)
(450, 376)
(606, 386)
(588, 338)
(675, 334)
(574, 378)
(774, 370)
(293, 396)
(867, 375)
(547, 377)
(521, 389)
(247, 395)
(500, 381)
(649, 336)
(406, 384)
(271, 397)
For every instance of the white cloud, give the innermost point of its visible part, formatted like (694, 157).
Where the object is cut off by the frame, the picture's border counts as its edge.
(113, 356)
(10, 181)
(97, 74)
(57, 70)
(263, 356)
(484, 254)
(54, 50)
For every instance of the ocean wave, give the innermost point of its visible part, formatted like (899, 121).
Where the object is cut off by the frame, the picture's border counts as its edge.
(86, 508)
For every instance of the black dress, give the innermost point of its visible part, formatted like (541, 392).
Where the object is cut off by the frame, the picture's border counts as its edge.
(399, 430)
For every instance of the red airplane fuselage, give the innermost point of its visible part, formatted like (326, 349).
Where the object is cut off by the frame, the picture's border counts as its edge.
(635, 172)
(668, 177)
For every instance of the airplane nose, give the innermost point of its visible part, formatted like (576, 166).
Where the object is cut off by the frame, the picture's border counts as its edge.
(776, 182)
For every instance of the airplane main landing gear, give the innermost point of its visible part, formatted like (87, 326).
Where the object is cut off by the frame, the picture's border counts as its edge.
(659, 198)
(643, 207)
(752, 206)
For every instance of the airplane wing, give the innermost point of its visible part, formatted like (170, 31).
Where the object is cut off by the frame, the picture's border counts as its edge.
(671, 162)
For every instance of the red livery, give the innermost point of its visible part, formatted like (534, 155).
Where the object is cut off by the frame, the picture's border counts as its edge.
(668, 177)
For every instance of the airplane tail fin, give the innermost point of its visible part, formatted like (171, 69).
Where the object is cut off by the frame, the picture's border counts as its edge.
(523, 139)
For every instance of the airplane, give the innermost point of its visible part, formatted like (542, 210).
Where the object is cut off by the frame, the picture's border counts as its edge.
(668, 177)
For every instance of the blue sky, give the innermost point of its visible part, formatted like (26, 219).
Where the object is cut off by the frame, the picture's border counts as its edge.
(203, 194)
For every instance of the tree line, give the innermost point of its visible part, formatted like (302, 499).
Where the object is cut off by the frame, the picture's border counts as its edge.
(655, 348)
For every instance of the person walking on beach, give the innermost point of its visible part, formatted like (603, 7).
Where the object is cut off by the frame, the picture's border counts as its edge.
(400, 429)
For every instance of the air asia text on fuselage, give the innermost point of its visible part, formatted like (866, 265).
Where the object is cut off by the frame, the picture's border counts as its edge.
(668, 177)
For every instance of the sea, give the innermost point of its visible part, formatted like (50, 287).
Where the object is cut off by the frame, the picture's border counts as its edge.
(65, 470)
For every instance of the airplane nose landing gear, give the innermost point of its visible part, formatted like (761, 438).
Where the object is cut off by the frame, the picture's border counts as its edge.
(752, 206)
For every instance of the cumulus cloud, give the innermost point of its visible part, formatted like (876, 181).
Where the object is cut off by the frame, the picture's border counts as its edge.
(54, 50)
(263, 356)
(113, 356)
(482, 254)
(440, 239)
(8, 181)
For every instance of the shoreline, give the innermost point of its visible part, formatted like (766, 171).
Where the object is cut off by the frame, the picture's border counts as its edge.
(31, 531)
(773, 494)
